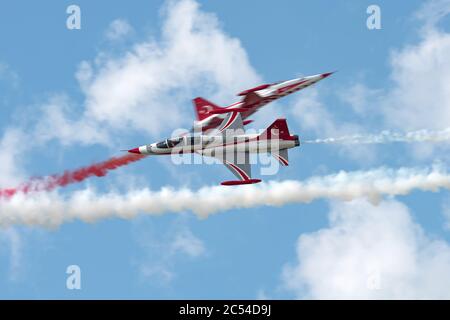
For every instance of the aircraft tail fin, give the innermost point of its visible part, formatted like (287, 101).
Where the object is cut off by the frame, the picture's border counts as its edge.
(278, 129)
(203, 108)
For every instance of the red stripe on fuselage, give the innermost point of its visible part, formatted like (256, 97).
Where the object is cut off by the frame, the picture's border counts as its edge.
(289, 87)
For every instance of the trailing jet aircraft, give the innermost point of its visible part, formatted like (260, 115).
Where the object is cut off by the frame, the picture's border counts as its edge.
(231, 145)
(210, 116)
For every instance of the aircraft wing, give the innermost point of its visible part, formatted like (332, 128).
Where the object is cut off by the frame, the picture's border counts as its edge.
(214, 114)
(242, 171)
(251, 99)
(237, 162)
(231, 123)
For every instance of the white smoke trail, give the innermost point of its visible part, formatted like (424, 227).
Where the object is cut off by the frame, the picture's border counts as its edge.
(53, 209)
(389, 137)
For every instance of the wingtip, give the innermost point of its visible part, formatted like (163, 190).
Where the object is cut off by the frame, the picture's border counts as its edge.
(240, 182)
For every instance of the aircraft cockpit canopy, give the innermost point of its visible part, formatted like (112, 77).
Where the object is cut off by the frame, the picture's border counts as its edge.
(169, 143)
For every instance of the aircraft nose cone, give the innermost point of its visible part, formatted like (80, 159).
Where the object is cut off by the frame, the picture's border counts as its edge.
(135, 150)
(324, 75)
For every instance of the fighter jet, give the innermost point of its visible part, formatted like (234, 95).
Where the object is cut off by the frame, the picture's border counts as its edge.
(210, 116)
(231, 146)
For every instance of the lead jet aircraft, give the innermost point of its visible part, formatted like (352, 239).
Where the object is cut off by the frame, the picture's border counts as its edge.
(210, 116)
(230, 145)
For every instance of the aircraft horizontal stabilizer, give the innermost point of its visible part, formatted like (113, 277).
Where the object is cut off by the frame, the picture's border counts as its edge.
(239, 182)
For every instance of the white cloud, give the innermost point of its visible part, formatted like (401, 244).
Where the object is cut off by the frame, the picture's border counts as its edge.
(12, 145)
(118, 29)
(162, 250)
(56, 124)
(162, 273)
(149, 87)
(359, 97)
(11, 239)
(420, 97)
(185, 242)
(311, 113)
(370, 252)
(8, 76)
(446, 213)
(432, 12)
(262, 295)
(12, 141)
(315, 118)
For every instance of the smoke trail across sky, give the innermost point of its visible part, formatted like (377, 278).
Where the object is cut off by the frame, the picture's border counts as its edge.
(53, 209)
(388, 137)
(68, 177)
(50, 183)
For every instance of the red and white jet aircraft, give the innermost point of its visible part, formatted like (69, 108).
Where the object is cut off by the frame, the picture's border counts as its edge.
(231, 145)
(210, 116)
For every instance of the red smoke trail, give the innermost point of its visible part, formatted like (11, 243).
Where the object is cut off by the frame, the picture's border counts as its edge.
(51, 182)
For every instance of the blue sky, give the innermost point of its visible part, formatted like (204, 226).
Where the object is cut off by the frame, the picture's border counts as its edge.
(73, 97)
